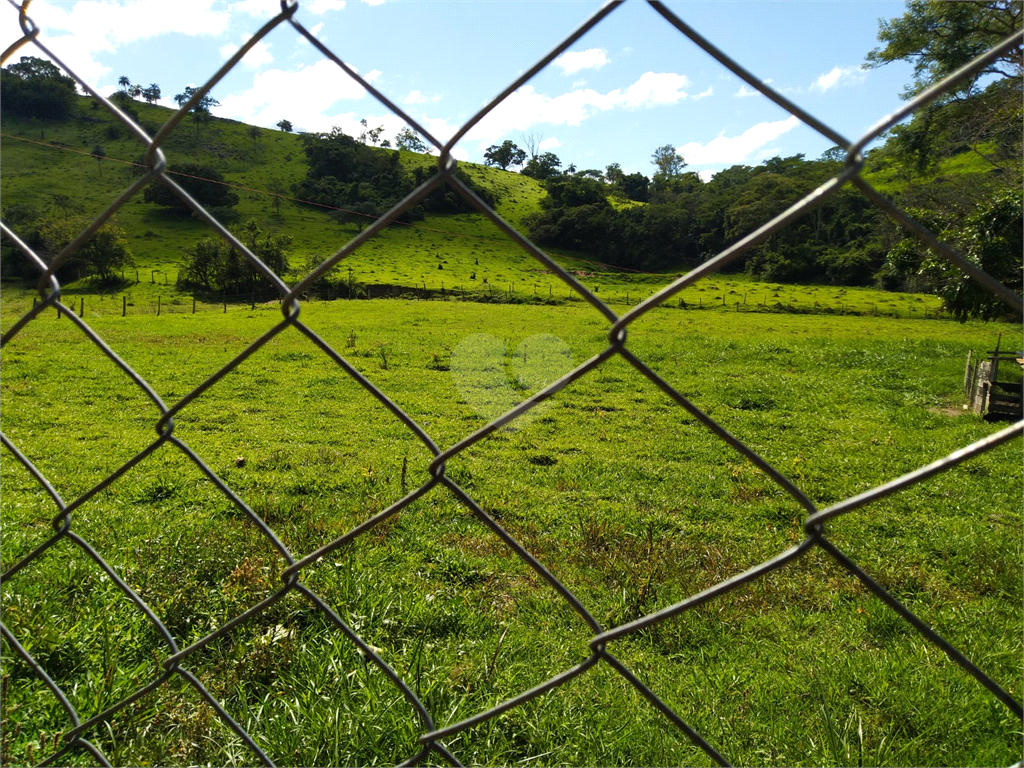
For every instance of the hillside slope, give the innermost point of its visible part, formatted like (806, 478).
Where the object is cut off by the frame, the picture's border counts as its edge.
(48, 167)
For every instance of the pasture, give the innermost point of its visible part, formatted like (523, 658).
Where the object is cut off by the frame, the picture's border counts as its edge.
(627, 499)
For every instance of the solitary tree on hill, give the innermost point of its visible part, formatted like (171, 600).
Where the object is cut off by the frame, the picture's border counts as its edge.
(285, 125)
(204, 104)
(543, 166)
(505, 154)
(409, 140)
(668, 162)
(124, 82)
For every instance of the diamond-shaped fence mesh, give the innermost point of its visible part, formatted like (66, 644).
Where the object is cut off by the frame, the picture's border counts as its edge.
(174, 661)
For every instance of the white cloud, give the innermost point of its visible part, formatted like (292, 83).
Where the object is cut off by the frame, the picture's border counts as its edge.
(298, 95)
(703, 94)
(415, 97)
(654, 89)
(264, 9)
(551, 143)
(577, 84)
(94, 26)
(574, 61)
(319, 7)
(706, 175)
(744, 92)
(261, 9)
(315, 32)
(373, 75)
(730, 150)
(526, 108)
(256, 57)
(839, 76)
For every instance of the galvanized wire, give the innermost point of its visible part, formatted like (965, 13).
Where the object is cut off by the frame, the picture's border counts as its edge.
(173, 663)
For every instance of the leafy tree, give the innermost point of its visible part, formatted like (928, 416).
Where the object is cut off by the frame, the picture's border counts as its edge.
(360, 213)
(505, 154)
(204, 105)
(135, 91)
(152, 93)
(566, 191)
(410, 141)
(939, 37)
(614, 173)
(543, 166)
(834, 154)
(992, 238)
(343, 172)
(213, 264)
(634, 186)
(255, 133)
(102, 255)
(667, 162)
(204, 184)
(278, 189)
(444, 199)
(285, 125)
(37, 88)
(124, 82)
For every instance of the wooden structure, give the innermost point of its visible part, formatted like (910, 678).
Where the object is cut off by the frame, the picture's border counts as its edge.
(988, 395)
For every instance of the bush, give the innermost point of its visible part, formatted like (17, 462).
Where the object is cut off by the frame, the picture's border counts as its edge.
(204, 184)
(214, 265)
(36, 88)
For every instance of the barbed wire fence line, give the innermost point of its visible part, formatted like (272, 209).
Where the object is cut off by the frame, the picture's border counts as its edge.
(432, 738)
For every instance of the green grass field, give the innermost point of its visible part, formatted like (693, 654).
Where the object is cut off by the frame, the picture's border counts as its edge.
(628, 500)
(620, 493)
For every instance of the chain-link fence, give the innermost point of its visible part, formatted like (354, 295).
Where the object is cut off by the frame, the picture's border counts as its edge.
(174, 660)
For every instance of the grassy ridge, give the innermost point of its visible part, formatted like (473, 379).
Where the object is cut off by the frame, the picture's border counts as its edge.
(628, 500)
(464, 252)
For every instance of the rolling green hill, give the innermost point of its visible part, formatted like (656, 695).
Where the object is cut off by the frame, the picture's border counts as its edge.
(49, 167)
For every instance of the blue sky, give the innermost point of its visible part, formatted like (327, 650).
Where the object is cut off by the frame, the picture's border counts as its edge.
(630, 85)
